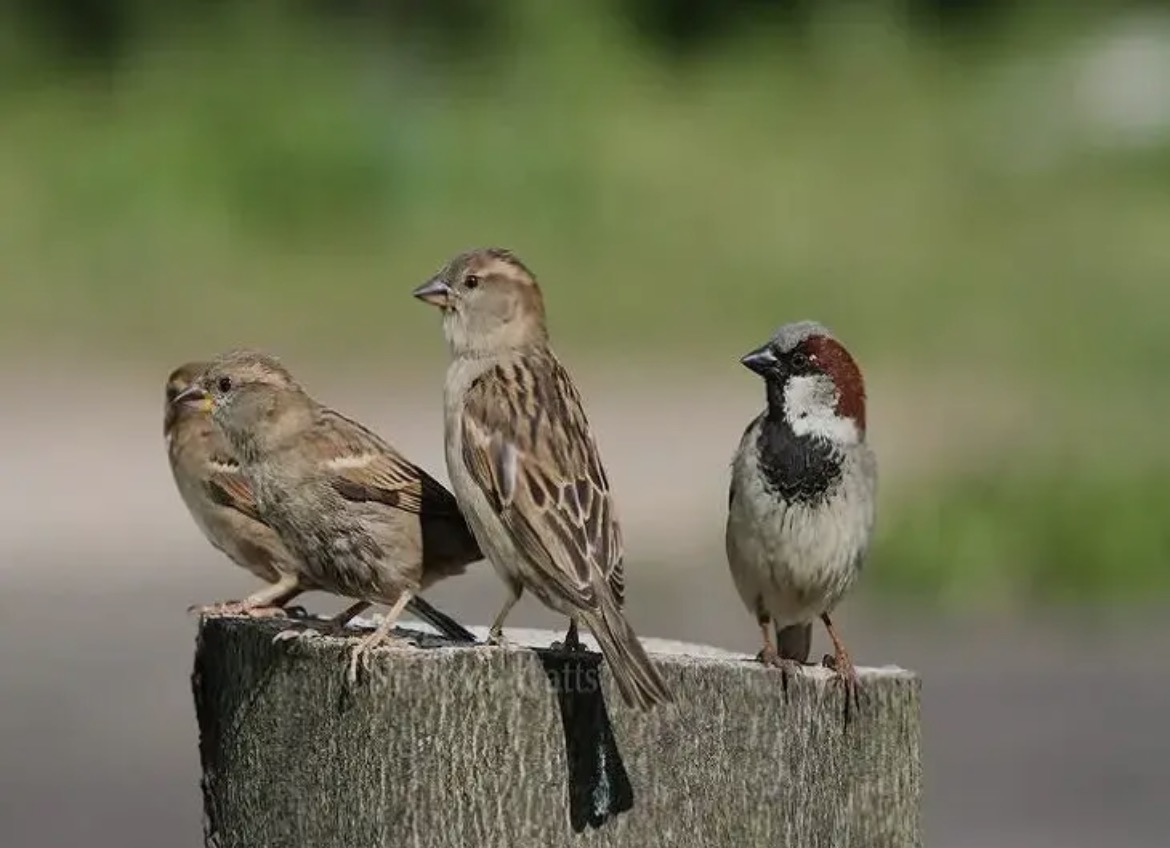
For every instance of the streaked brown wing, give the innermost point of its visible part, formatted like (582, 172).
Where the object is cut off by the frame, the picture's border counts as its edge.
(227, 487)
(363, 467)
(527, 444)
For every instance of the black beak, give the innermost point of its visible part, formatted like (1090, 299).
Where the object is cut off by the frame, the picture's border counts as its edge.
(761, 360)
(434, 291)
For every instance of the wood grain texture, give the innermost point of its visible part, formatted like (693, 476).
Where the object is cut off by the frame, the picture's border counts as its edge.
(444, 747)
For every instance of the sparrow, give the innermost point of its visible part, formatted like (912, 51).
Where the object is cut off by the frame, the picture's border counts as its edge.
(801, 504)
(216, 495)
(524, 465)
(356, 518)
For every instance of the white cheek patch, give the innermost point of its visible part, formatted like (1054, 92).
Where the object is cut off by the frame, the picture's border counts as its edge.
(810, 405)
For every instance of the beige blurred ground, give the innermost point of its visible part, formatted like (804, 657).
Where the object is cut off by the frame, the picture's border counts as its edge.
(1039, 733)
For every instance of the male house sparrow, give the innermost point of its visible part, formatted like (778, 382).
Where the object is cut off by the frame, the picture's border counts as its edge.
(803, 484)
(524, 465)
(358, 519)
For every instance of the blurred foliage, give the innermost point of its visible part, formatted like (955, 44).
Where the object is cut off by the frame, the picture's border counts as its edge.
(934, 179)
(1019, 536)
(106, 30)
(278, 176)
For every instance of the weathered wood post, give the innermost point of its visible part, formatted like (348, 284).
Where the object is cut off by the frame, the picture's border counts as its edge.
(463, 746)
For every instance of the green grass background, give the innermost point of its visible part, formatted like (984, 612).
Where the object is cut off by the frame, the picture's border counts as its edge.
(951, 209)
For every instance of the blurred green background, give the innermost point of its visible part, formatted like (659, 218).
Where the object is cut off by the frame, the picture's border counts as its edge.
(975, 195)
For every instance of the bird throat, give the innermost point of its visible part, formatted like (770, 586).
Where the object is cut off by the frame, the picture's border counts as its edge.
(801, 469)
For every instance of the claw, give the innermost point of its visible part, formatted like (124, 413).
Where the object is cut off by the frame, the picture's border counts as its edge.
(236, 608)
(498, 639)
(359, 655)
(769, 656)
(293, 634)
(845, 676)
(572, 641)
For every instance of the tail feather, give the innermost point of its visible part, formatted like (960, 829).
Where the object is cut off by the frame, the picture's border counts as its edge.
(794, 642)
(638, 681)
(438, 619)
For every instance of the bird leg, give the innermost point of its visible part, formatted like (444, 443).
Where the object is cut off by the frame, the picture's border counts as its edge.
(333, 627)
(845, 673)
(264, 603)
(360, 655)
(572, 641)
(770, 656)
(496, 632)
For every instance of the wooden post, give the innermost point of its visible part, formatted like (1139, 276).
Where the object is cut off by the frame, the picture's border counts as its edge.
(442, 746)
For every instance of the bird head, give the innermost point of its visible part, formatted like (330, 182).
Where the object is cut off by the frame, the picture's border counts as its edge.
(250, 395)
(491, 302)
(812, 381)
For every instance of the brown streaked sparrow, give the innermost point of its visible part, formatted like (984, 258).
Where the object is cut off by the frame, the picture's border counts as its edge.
(359, 519)
(524, 464)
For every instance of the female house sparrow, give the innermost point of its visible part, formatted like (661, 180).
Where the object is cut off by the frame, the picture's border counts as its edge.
(209, 481)
(803, 485)
(524, 465)
(359, 519)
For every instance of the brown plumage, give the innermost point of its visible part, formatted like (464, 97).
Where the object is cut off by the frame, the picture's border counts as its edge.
(524, 464)
(357, 518)
(209, 481)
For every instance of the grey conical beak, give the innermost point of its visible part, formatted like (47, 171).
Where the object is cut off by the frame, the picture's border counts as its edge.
(435, 292)
(194, 396)
(761, 360)
(192, 392)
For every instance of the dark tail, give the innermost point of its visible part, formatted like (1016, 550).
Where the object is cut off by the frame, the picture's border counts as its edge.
(637, 679)
(794, 642)
(442, 622)
(599, 788)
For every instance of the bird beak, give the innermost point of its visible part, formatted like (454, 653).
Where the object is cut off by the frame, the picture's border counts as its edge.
(194, 395)
(435, 292)
(761, 360)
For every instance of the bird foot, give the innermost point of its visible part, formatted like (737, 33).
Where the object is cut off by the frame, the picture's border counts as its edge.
(292, 634)
(845, 677)
(770, 657)
(237, 608)
(499, 640)
(359, 655)
(570, 644)
(566, 647)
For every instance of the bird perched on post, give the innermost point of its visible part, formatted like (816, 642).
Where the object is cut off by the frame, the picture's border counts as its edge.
(216, 495)
(801, 506)
(354, 517)
(524, 465)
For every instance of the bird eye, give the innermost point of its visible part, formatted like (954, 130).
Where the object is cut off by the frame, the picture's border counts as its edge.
(224, 384)
(172, 392)
(799, 360)
(472, 281)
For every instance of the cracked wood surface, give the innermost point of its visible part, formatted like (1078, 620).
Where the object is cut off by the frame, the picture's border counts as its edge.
(441, 746)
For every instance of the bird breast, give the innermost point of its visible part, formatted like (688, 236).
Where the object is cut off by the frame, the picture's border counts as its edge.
(494, 539)
(798, 556)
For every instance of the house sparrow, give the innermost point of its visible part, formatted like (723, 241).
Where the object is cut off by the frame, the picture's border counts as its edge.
(359, 519)
(524, 465)
(801, 506)
(209, 481)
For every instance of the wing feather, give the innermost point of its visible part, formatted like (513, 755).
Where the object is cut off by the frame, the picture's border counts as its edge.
(227, 487)
(362, 467)
(528, 445)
